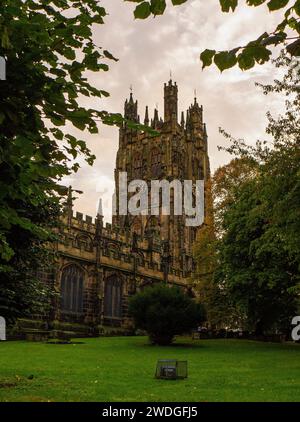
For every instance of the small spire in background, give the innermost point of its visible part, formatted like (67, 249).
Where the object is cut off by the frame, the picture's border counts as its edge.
(99, 221)
(146, 121)
(182, 119)
(100, 208)
(155, 119)
(131, 93)
(195, 97)
(188, 116)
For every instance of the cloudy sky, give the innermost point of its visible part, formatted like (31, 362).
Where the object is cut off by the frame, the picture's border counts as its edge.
(148, 51)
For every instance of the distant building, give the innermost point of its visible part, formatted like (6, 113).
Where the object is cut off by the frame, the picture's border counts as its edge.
(99, 266)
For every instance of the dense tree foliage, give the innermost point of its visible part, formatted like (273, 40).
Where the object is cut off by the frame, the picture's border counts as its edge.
(257, 253)
(48, 47)
(221, 310)
(164, 311)
(256, 51)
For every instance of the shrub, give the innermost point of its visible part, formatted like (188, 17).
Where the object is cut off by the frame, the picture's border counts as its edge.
(164, 311)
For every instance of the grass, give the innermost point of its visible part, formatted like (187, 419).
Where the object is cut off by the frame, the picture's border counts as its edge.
(122, 369)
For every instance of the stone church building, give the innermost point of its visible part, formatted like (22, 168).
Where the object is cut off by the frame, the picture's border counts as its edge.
(101, 266)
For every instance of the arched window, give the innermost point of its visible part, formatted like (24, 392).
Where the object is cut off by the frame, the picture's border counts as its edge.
(113, 297)
(84, 242)
(156, 162)
(72, 283)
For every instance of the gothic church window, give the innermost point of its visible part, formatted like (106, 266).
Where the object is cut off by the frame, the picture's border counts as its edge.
(72, 285)
(113, 297)
(156, 162)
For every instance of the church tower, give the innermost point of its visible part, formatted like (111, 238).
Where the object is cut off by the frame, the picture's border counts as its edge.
(171, 103)
(178, 152)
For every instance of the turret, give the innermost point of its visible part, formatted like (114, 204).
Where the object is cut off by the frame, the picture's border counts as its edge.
(146, 120)
(182, 120)
(155, 121)
(171, 102)
(196, 114)
(131, 109)
(188, 120)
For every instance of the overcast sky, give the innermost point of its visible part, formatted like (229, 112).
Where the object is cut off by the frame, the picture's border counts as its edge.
(147, 51)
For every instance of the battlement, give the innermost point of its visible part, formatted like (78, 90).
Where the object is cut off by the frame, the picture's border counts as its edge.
(80, 219)
(116, 247)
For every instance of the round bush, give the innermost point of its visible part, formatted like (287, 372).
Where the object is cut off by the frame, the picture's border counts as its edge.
(165, 311)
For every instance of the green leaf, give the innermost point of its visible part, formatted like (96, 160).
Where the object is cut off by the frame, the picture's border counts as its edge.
(109, 56)
(206, 57)
(255, 2)
(69, 53)
(274, 39)
(177, 2)
(277, 4)
(297, 7)
(260, 53)
(142, 11)
(246, 60)
(158, 7)
(226, 5)
(225, 60)
(294, 48)
(294, 24)
(104, 93)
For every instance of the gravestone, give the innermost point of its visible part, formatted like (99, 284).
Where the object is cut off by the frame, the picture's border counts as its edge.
(2, 68)
(2, 329)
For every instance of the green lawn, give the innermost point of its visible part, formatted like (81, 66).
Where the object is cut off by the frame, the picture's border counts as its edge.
(122, 369)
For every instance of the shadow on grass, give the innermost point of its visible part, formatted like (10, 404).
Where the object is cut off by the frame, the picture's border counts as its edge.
(174, 345)
(64, 342)
(7, 384)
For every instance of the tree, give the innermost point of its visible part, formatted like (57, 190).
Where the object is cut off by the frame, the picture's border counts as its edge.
(48, 47)
(259, 275)
(258, 253)
(254, 258)
(221, 311)
(225, 182)
(164, 312)
(256, 51)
